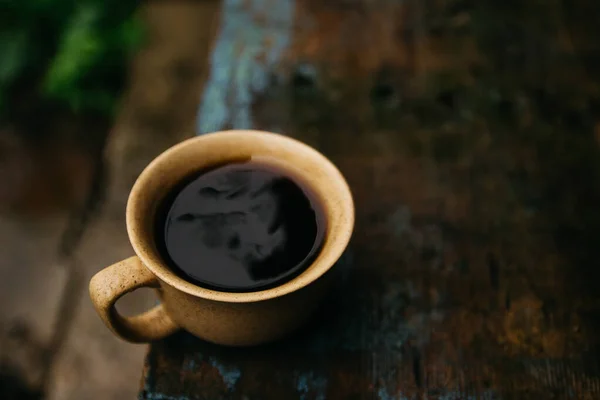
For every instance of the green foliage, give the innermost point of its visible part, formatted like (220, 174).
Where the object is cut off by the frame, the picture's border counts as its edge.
(73, 52)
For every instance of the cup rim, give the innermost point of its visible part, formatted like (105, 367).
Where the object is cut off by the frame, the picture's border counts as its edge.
(330, 254)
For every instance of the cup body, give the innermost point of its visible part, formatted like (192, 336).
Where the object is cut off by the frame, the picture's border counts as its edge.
(243, 324)
(235, 319)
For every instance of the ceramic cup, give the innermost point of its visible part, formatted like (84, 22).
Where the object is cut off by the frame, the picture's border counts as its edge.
(235, 319)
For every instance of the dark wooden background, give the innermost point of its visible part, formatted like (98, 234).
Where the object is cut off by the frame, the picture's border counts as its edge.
(469, 133)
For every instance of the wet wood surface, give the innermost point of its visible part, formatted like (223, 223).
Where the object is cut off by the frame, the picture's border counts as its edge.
(469, 133)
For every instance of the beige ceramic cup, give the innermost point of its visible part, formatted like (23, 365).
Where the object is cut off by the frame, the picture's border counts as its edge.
(236, 319)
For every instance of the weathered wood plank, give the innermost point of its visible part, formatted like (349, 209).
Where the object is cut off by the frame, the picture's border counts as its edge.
(248, 48)
(466, 132)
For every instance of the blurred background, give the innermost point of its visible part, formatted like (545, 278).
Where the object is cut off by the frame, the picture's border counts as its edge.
(92, 90)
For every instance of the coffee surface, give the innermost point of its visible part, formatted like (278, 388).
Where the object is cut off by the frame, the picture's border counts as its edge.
(241, 227)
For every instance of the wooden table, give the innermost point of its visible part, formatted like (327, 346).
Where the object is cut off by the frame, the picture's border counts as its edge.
(469, 134)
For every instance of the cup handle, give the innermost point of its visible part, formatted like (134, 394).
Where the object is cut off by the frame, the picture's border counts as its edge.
(110, 284)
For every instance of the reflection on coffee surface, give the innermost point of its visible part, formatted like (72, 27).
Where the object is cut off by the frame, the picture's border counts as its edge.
(240, 227)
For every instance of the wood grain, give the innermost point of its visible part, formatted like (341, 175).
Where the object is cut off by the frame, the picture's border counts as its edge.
(466, 132)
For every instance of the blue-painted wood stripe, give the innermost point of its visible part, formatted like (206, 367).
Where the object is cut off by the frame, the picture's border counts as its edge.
(252, 39)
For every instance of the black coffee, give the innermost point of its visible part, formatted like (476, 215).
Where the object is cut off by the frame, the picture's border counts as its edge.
(240, 227)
